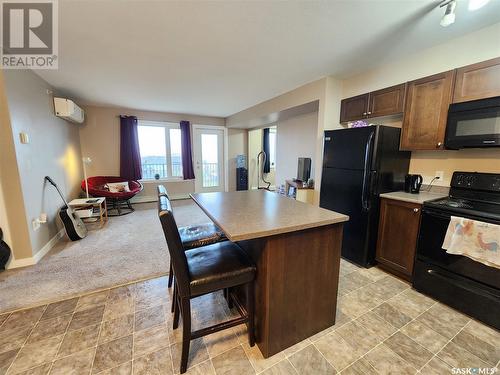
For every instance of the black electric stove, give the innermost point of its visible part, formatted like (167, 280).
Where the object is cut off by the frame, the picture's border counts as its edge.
(460, 207)
(475, 194)
(465, 284)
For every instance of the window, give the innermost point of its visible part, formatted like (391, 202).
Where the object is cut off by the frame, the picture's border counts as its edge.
(161, 150)
(272, 147)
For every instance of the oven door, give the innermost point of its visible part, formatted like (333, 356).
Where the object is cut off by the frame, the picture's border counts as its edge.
(433, 228)
(473, 128)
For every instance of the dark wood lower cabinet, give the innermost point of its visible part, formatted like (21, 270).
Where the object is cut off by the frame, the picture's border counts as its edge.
(296, 285)
(397, 236)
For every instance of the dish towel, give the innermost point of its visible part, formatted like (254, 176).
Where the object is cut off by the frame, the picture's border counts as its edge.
(477, 240)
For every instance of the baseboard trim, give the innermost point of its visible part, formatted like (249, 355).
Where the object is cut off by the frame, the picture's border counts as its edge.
(18, 263)
(153, 198)
(49, 245)
(24, 262)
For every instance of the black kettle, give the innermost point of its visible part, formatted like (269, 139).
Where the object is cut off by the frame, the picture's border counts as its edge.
(413, 182)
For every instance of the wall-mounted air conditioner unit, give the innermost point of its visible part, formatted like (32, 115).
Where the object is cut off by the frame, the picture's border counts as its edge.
(68, 110)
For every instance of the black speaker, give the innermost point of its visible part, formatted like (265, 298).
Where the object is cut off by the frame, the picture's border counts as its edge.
(304, 169)
(241, 179)
(4, 252)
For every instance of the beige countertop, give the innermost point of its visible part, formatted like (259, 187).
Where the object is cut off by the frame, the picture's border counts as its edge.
(420, 198)
(244, 215)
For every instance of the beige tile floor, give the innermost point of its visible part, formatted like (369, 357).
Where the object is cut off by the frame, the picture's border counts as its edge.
(383, 327)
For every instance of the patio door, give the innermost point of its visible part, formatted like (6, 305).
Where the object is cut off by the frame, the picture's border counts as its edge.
(208, 159)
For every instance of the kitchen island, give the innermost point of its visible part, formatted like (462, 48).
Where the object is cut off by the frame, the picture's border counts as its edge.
(296, 247)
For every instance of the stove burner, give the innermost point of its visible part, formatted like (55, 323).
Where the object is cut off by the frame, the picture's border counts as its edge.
(455, 203)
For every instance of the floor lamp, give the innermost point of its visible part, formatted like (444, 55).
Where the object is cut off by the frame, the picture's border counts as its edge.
(86, 160)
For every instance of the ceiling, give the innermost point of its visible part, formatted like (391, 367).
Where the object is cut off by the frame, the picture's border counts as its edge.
(220, 57)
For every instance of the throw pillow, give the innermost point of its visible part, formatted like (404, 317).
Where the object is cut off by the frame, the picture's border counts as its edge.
(118, 187)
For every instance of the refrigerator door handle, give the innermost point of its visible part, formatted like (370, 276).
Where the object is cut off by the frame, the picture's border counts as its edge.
(365, 201)
(373, 183)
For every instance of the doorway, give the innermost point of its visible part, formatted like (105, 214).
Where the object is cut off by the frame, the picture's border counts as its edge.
(255, 147)
(209, 159)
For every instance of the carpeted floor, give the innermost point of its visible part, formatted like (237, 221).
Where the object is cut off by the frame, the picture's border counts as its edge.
(129, 248)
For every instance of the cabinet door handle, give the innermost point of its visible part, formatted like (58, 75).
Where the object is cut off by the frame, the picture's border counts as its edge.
(369, 113)
(364, 113)
(415, 210)
(439, 144)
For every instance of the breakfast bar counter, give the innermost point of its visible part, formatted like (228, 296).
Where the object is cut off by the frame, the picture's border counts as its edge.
(296, 247)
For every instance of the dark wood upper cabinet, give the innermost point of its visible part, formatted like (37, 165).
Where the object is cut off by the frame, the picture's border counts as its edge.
(397, 236)
(424, 102)
(426, 112)
(477, 81)
(354, 108)
(388, 101)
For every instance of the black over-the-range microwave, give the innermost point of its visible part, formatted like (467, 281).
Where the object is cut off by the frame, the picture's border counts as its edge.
(473, 124)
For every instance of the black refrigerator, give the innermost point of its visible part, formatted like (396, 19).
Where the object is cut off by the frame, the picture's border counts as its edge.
(358, 165)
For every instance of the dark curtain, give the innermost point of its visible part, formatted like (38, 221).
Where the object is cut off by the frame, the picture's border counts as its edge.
(265, 148)
(130, 156)
(187, 158)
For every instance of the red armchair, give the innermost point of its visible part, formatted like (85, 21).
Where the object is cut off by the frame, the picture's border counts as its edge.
(116, 201)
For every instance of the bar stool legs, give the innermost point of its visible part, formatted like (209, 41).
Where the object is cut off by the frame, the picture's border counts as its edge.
(250, 291)
(229, 301)
(170, 275)
(174, 296)
(175, 324)
(229, 267)
(182, 307)
(186, 332)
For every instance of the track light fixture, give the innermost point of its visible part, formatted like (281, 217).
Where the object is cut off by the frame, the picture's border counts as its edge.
(449, 14)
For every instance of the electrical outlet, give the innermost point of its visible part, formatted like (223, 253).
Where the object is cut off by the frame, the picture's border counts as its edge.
(42, 218)
(36, 224)
(24, 138)
(439, 175)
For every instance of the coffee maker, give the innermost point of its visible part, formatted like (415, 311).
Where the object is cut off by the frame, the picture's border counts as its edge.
(413, 182)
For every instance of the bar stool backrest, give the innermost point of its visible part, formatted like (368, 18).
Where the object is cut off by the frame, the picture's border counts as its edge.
(175, 248)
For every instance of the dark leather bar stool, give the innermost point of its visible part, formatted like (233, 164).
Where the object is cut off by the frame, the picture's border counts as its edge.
(205, 270)
(193, 236)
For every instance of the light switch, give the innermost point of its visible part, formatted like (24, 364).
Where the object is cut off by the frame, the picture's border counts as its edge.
(24, 137)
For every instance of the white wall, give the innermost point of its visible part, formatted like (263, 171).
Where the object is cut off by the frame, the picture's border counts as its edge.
(333, 95)
(12, 212)
(100, 134)
(478, 46)
(254, 147)
(53, 150)
(4, 221)
(265, 113)
(327, 91)
(295, 137)
(474, 47)
(100, 140)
